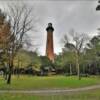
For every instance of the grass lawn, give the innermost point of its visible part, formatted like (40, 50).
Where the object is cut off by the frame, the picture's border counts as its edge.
(87, 95)
(34, 82)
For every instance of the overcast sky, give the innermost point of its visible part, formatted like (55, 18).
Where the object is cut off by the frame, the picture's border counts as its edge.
(64, 15)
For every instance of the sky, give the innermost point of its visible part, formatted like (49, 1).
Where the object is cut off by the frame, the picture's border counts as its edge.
(80, 15)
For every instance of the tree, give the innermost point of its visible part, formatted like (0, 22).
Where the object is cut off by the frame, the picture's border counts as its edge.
(21, 23)
(23, 58)
(36, 61)
(5, 28)
(69, 58)
(59, 61)
(26, 59)
(93, 52)
(46, 65)
(75, 44)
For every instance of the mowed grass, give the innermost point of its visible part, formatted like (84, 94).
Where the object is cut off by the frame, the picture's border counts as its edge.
(49, 82)
(86, 95)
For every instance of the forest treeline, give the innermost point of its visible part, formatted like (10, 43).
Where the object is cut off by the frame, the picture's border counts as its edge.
(80, 54)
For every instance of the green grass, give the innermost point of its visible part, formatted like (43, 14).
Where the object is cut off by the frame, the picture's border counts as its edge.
(33, 82)
(87, 95)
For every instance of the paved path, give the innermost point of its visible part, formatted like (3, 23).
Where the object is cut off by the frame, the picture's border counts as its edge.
(51, 91)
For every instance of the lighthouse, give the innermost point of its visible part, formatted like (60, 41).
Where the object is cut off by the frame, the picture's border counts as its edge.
(49, 43)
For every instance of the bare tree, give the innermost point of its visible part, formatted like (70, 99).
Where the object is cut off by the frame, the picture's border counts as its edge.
(76, 44)
(21, 23)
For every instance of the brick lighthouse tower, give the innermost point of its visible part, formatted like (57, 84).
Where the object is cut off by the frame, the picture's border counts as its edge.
(49, 43)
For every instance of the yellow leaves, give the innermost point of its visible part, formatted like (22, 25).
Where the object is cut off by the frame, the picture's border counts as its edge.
(4, 32)
(4, 29)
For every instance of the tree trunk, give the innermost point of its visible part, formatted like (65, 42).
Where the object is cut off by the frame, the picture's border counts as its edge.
(9, 77)
(18, 67)
(77, 66)
(10, 70)
(78, 71)
(5, 75)
(70, 69)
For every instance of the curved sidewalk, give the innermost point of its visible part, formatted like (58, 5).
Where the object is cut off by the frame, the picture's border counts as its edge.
(51, 91)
